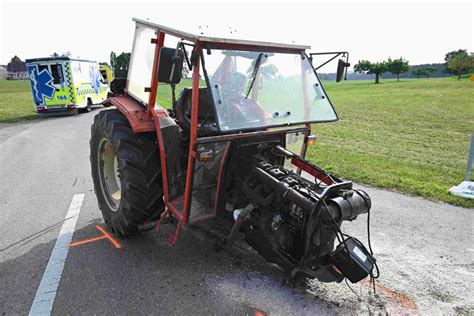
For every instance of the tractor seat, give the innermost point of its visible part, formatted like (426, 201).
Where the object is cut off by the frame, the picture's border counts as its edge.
(206, 116)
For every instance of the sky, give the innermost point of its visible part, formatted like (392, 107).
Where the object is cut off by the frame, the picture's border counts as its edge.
(421, 31)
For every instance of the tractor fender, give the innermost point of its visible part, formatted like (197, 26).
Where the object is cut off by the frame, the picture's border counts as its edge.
(136, 113)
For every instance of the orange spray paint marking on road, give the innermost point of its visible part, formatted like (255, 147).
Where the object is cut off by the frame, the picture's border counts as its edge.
(109, 237)
(105, 235)
(392, 295)
(86, 241)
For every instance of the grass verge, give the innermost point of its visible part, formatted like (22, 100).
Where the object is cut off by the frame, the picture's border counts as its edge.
(410, 136)
(16, 102)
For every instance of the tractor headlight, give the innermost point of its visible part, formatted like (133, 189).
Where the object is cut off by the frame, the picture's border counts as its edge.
(205, 153)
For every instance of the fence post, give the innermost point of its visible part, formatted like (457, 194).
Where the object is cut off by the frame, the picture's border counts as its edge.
(466, 188)
(470, 160)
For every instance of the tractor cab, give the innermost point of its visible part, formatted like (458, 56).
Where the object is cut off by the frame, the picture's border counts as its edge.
(237, 87)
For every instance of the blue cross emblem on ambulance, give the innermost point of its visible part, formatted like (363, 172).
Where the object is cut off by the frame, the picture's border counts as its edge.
(41, 84)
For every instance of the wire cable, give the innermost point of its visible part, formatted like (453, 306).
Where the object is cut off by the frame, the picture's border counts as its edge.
(352, 290)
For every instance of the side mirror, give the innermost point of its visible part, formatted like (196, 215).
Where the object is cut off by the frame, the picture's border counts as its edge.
(171, 65)
(341, 69)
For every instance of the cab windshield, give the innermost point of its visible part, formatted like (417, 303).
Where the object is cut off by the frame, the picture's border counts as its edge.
(261, 89)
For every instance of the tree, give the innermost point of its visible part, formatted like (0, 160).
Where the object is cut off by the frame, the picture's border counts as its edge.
(16, 65)
(461, 64)
(113, 58)
(16, 60)
(365, 66)
(397, 66)
(418, 72)
(268, 71)
(423, 71)
(121, 65)
(54, 54)
(459, 52)
(451, 55)
(429, 71)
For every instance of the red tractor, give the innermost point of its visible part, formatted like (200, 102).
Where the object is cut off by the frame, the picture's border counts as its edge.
(229, 153)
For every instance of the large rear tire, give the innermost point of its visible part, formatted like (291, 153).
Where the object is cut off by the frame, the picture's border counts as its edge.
(126, 172)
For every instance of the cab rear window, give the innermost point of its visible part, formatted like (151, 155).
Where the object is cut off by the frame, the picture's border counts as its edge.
(57, 73)
(42, 67)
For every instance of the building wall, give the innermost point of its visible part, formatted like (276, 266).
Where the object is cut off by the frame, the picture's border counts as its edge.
(22, 75)
(3, 73)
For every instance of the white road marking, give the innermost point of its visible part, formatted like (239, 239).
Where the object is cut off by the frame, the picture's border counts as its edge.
(46, 293)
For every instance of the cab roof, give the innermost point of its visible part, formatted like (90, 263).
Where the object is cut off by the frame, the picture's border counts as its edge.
(217, 42)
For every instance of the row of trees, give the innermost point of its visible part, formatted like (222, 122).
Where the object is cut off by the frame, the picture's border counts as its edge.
(457, 62)
(395, 66)
(423, 71)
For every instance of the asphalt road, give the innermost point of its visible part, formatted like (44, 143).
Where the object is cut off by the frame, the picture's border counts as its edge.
(424, 249)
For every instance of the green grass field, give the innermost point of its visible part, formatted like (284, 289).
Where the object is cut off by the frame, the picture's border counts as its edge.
(410, 136)
(16, 101)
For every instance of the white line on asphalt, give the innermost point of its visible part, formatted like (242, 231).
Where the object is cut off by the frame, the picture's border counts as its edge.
(44, 299)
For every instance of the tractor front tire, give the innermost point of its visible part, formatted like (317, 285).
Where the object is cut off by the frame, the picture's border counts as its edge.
(126, 172)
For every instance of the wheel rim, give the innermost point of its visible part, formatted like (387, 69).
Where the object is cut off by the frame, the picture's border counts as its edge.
(109, 174)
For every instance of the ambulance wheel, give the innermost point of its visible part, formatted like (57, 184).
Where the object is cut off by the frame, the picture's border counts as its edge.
(126, 171)
(88, 107)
